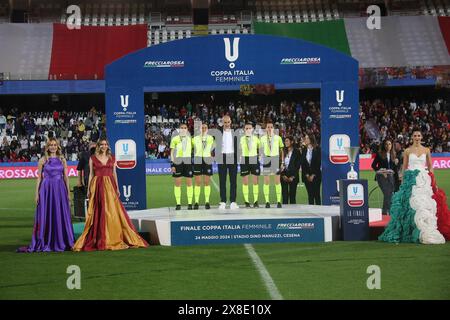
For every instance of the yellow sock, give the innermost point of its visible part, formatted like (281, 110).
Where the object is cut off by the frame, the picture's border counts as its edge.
(266, 190)
(190, 194)
(207, 193)
(278, 192)
(245, 192)
(197, 191)
(177, 192)
(255, 192)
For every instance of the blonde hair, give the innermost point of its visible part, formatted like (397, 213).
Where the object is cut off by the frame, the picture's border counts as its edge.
(58, 150)
(97, 147)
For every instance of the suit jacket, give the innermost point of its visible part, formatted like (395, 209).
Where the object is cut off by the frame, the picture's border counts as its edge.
(218, 148)
(294, 164)
(314, 167)
(379, 163)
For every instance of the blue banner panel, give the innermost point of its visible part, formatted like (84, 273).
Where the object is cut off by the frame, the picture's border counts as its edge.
(339, 129)
(221, 62)
(354, 210)
(247, 231)
(125, 128)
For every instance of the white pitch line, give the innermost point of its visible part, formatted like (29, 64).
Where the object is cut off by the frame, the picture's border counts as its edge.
(265, 275)
(263, 272)
(215, 184)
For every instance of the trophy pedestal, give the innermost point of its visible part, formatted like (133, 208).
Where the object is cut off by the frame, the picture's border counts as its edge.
(354, 209)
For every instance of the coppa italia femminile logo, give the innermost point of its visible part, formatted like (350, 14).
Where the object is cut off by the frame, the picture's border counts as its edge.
(125, 151)
(231, 57)
(164, 64)
(127, 192)
(338, 142)
(124, 116)
(340, 111)
(231, 50)
(355, 195)
(306, 60)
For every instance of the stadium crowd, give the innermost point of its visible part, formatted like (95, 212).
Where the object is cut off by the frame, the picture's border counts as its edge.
(23, 134)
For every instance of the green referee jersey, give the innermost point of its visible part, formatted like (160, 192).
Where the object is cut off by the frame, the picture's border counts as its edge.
(182, 146)
(250, 146)
(203, 145)
(271, 145)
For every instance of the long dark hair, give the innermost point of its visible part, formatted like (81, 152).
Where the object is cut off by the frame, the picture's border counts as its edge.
(293, 144)
(312, 140)
(383, 150)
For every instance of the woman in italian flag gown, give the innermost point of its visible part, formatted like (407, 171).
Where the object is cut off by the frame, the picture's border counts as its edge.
(108, 226)
(419, 211)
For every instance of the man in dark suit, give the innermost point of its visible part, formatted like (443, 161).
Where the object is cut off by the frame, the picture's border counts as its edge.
(226, 158)
(290, 174)
(83, 165)
(80, 191)
(311, 169)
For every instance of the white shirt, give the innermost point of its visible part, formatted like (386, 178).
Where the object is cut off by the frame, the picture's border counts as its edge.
(309, 155)
(287, 159)
(227, 142)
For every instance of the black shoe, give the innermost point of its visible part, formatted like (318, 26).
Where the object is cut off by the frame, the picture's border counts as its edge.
(267, 205)
(256, 205)
(279, 205)
(247, 205)
(196, 206)
(207, 206)
(178, 207)
(189, 206)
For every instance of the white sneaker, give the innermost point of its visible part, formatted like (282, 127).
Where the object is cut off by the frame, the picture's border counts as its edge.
(234, 206)
(222, 206)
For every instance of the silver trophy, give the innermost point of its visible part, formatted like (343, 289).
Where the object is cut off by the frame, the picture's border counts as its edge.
(352, 153)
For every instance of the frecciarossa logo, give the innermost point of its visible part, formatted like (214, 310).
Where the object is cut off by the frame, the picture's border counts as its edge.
(164, 64)
(302, 60)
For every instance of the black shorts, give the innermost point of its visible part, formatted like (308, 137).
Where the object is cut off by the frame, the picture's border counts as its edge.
(183, 170)
(271, 167)
(203, 168)
(250, 167)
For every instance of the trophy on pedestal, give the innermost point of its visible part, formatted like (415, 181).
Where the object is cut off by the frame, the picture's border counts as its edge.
(352, 153)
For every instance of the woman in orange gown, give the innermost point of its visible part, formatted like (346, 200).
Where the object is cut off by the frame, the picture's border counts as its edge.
(108, 226)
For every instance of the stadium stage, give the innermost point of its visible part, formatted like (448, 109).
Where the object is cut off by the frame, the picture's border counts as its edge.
(292, 223)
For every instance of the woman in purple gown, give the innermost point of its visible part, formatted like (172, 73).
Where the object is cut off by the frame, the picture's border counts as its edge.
(53, 229)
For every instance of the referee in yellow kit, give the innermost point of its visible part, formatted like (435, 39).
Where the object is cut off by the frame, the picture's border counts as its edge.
(181, 164)
(250, 144)
(203, 148)
(272, 148)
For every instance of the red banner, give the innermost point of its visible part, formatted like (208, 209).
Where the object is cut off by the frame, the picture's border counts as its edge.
(28, 172)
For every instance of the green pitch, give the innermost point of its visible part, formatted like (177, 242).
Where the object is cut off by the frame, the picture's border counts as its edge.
(336, 270)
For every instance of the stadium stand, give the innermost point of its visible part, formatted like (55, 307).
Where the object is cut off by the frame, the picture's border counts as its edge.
(82, 54)
(44, 49)
(22, 137)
